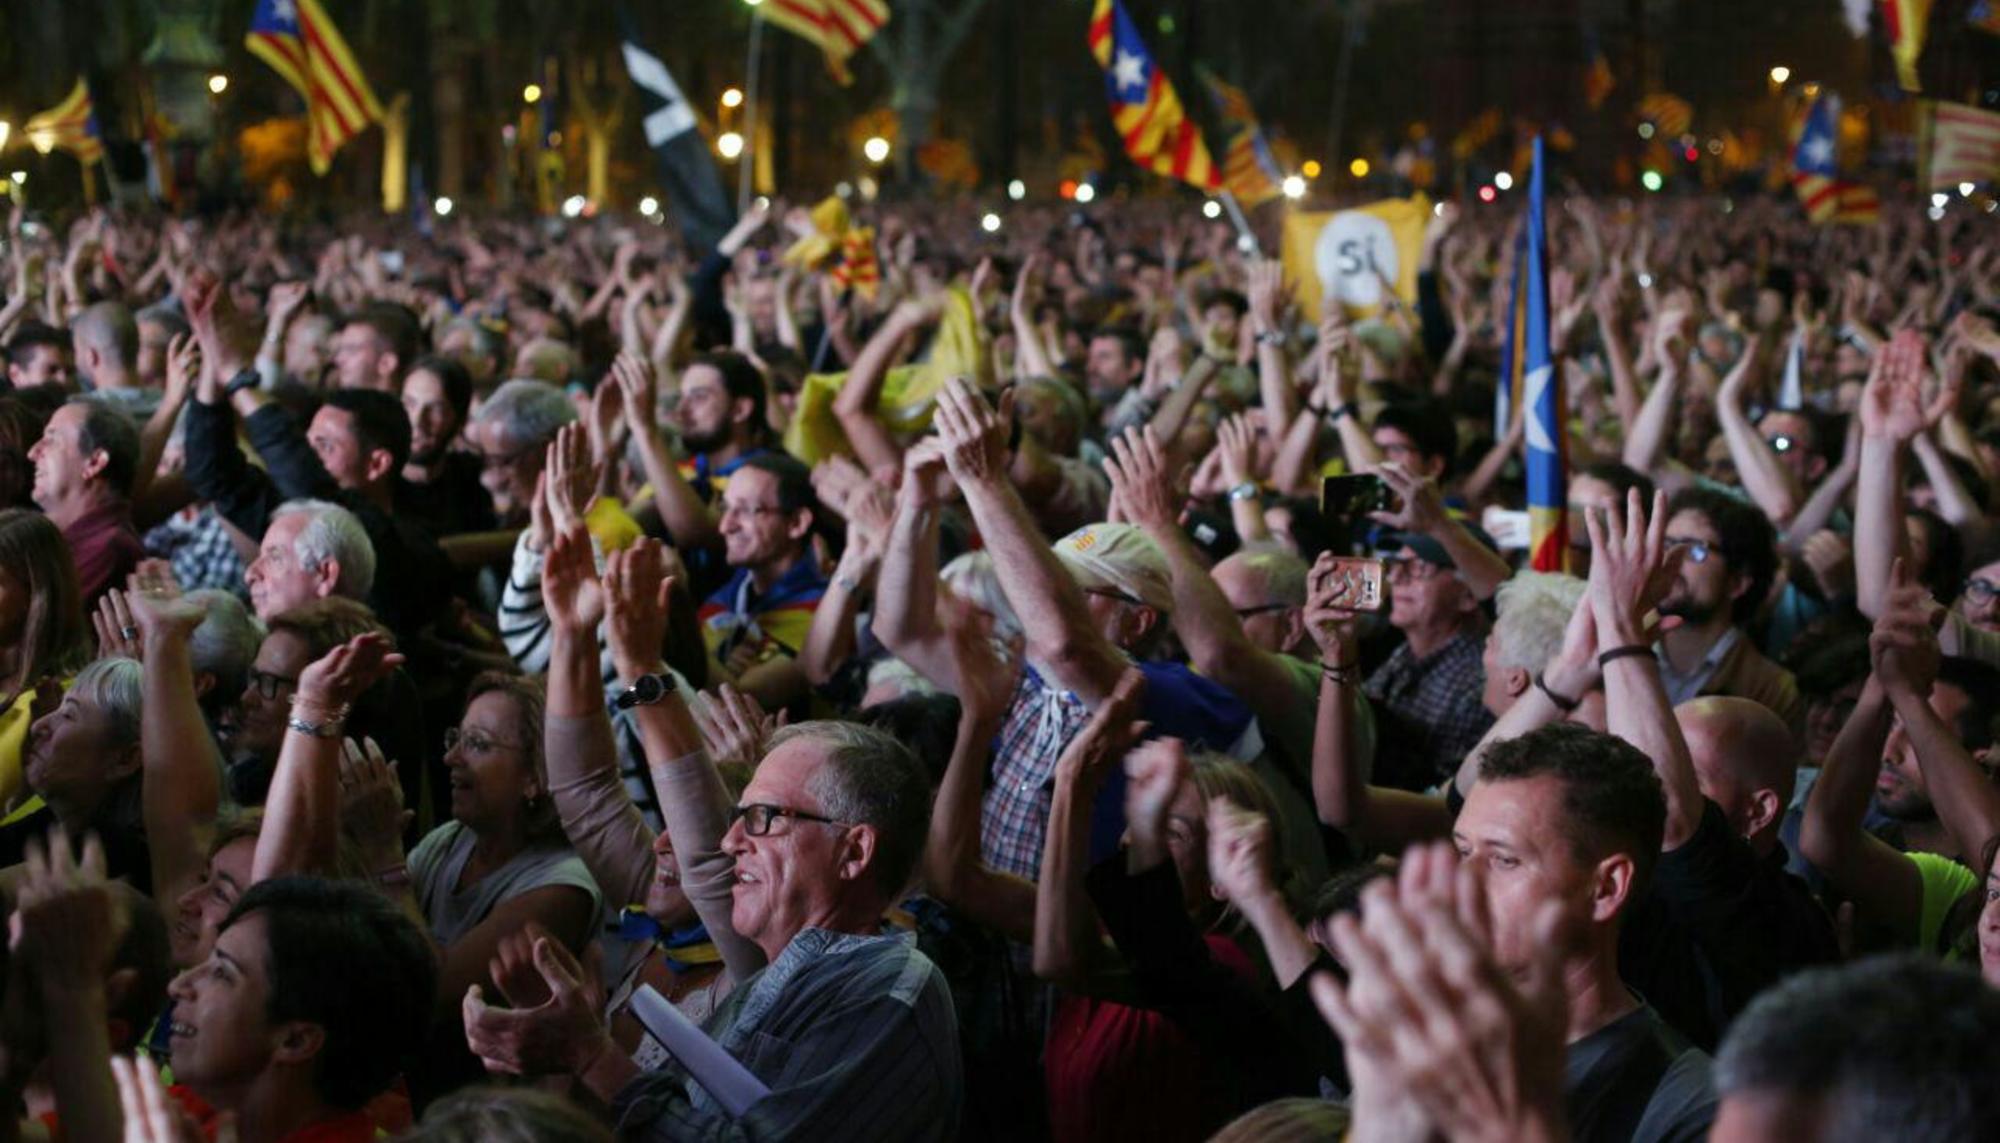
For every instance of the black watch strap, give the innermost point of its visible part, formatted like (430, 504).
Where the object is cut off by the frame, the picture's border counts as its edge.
(246, 379)
(645, 691)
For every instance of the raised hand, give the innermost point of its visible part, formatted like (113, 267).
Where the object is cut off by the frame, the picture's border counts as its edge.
(974, 433)
(117, 632)
(1903, 647)
(1239, 852)
(571, 593)
(152, 1115)
(333, 682)
(67, 922)
(285, 300)
(1143, 479)
(1737, 381)
(926, 477)
(1088, 758)
(1892, 406)
(371, 800)
(154, 603)
(1153, 775)
(636, 380)
(562, 1035)
(1422, 505)
(734, 727)
(1332, 616)
(571, 478)
(1631, 567)
(637, 590)
(183, 367)
(1267, 284)
(1236, 441)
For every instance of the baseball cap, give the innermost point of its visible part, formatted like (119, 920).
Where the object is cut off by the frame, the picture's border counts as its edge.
(1427, 549)
(1120, 559)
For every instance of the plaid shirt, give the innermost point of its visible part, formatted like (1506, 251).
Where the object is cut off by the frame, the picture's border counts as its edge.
(1429, 711)
(197, 544)
(1015, 816)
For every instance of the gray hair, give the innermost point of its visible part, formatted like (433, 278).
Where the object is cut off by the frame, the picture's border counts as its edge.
(109, 328)
(333, 533)
(870, 778)
(486, 342)
(226, 642)
(1534, 611)
(165, 316)
(1283, 574)
(972, 577)
(527, 412)
(113, 687)
(1895, 1047)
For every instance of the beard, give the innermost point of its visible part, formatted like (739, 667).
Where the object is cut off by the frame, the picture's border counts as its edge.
(705, 441)
(1685, 607)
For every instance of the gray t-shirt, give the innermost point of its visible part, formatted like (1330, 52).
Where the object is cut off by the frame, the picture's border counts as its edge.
(1636, 1080)
(438, 860)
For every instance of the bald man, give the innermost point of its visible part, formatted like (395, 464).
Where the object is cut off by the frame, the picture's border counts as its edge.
(1723, 920)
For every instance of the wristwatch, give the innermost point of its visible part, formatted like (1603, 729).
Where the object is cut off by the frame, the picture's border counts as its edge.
(645, 691)
(247, 379)
(1276, 337)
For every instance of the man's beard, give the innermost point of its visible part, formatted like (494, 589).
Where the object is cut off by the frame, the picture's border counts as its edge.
(428, 456)
(1689, 610)
(705, 442)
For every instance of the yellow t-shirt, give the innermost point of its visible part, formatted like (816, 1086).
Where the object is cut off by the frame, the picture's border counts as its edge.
(14, 723)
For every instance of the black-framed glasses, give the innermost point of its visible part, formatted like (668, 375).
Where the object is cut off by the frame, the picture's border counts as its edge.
(758, 816)
(267, 684)
(1698, 551)
(1260, 609)
(1981, 590)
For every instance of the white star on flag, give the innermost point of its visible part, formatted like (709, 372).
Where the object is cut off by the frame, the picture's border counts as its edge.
(674, 116)
(1129, 72)
(1541, 435)
(1818, 150)
(286, 10)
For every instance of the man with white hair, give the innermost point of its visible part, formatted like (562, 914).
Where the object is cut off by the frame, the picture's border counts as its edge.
(311, 550)
(1533, 611)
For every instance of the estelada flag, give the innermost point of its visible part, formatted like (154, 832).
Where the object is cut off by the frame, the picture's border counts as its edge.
(1155, 128)
(70, 125)
(302, 45)
(1963, 146)
(1347, 254)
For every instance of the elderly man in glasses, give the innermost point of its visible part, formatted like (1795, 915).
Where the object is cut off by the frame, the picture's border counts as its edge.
(850, 1028)
(1730, 557)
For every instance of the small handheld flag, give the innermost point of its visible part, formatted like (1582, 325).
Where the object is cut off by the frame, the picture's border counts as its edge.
(1542, 394)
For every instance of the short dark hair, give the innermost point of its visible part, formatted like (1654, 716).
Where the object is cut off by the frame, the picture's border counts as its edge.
(1894, 1047)
(795, 488)
(395, 325)
(1980, 682)
(106, 427)
(1128, 339)
(344, 958)
(1612, 799)
(1223, 296)
(1622, 478)
(455, 377)
(1428, 425)
(927, 723)
(35, 335)
(1941, 573)
(379, 421)
(740, 379)
(1746, 539)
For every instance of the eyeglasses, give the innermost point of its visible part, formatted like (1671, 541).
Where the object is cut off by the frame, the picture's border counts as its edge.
(474, 741)
(1260, 609)
(267, 684)
(1114, 593)
(758, 816)
(1981, 590)
(729, 510)
(1403, 569)
(1698, 551)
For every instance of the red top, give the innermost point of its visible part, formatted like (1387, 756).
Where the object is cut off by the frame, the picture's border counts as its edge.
(353, 1127)
(1118, 1072)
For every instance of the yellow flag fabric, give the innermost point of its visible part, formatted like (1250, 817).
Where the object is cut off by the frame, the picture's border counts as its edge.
(908, 395)
(70, 125)
(1348, 254)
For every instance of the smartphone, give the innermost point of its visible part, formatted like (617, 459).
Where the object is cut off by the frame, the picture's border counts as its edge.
(1512, 530)
(1353, 497)
(1356, 582)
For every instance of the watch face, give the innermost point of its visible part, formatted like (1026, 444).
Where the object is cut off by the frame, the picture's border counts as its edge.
(649, 688)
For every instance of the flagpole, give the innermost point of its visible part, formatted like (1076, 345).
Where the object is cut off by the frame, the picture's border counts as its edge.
(1236, 216)
(747, 160)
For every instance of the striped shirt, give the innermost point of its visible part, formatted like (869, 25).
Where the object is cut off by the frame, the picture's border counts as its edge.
(855, 1036)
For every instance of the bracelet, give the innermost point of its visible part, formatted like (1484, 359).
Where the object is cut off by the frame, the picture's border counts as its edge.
(1342, 674)
(1318, 410)
(1628, 651)
(395, 877)
(1344, 409)
(1244, 491)
(329, 729)
(848, 584)
(1563, 702)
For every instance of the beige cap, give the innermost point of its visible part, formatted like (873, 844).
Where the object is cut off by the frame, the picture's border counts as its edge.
(1118, 558)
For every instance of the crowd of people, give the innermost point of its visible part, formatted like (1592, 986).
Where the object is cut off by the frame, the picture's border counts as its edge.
(930, 667)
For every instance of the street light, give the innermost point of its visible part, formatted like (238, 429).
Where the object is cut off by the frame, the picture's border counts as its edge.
(218, 83)
(729, 144)
(649, 205)
(443, 206)
(732, 97)
(1294, 186)
(1310, 168)
(876, 148)
(1358, 168)
(1504, 181)
(532, 93)
(1085, 192)
(990, 224)
(1211, 209)
(1017, 190)
(6, 129)
(1780, 74)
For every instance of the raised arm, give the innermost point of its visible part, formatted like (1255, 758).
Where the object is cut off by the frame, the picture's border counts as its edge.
(1630, 569)
(1646, 447)
(1480, 567)
(1891, 416)
(301, 831)
(1242, 863)
(1031, 357)
(953, 871)
(1274, 380)
(182, 786)
(870, 510)
(1770, 484)
(690, 522)
(858, 404)
(1054, 616)
(1884, 884)
(183, 363)
(1066, 942)
(1338, 374)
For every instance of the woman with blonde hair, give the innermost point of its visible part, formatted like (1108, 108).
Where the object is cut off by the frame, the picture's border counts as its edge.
(44, 638)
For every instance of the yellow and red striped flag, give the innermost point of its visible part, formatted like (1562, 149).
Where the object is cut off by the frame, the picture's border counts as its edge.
(71, 125)
(837, 27)
(1248, 169)
(1963, 147)
(1906, 22)
(302, 45)
(1816, 174)
(1144, 107)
